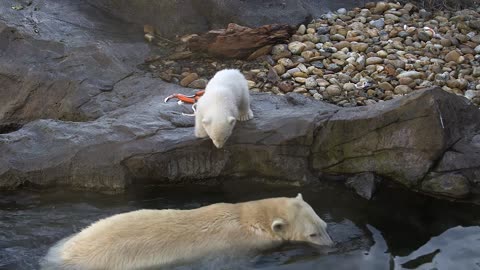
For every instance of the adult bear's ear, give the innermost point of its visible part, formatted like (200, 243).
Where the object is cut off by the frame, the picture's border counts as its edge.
(299, 197)
(278, 225)
(231, 120)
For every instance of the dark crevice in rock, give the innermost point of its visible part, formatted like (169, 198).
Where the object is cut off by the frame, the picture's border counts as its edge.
(8, 128)
(398, 121)
(437, 161)
(373, 153)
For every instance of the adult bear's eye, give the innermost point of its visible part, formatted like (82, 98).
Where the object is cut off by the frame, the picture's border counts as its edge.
(313, 235)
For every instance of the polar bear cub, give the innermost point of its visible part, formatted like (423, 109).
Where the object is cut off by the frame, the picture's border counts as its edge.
(166, 238)
(225, 101)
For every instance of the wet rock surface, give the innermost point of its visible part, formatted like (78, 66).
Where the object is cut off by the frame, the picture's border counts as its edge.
(364, 184)
(78, 112)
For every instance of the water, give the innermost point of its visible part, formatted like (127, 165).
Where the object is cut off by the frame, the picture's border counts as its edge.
(397, 230)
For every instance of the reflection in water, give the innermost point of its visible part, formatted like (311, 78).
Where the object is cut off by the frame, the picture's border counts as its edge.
(456, 248)
(396, 230)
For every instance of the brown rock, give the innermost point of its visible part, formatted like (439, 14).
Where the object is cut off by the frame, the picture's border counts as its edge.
(452, 56)
(260, 52)
(385, 86)
(380, 8)
(300, 74)
(402, 90)
(280, 69)
(188, 79)
(199, 84)
(342, 44)
(406, 81)
(334, 90)
(237, 41)
(272, 76)
(374, 60)
(457, 83)
(286, 86)
(147, 28)
(359, 46)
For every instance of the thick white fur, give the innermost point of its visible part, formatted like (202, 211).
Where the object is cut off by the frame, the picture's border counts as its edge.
(165, 238)
(225, 101)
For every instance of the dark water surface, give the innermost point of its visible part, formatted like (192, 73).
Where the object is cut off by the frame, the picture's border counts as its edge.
(396, 230)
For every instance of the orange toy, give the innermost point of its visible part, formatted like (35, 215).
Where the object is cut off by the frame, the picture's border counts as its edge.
(186, 99)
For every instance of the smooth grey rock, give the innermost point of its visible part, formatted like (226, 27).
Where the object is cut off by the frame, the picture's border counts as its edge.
(452, 185)
(67, 63)
(192, 16)
(364, 184)
(379, 24)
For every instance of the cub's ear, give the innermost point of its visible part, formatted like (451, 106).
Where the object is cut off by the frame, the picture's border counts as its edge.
(299, 197)
(278, 225)
(206, 121)
(231, 120)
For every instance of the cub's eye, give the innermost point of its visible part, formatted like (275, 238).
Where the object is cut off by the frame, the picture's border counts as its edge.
(313, 235)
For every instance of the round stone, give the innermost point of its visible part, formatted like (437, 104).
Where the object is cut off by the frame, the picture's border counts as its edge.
(188, 79)
(280, 69)
(301, 29)
(334, 90)
(374, 60)
(349, 86)
(412, 74)
(477, 49)
(279, 48)
(198, 84)
(452, 56)
(300, 80)
(402, 90)
(379, 24)
(310, 83)
(342, 11)
(296, 47)
(317, 96)
(359, 46)
(385, 86)
(286, 62)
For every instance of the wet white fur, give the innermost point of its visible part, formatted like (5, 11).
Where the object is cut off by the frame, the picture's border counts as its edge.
(225, 101)
(165, 238)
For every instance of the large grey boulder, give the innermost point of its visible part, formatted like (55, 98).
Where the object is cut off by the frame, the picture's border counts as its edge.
(292, 138)
(62, 59)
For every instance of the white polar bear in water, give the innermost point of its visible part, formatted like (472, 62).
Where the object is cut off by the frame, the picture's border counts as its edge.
(165, 238)
(225, 101)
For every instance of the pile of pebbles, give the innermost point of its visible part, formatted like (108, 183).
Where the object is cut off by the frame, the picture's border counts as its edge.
(359, 57)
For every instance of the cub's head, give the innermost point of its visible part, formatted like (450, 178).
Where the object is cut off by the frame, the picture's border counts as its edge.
(218, 127)
(299, 223)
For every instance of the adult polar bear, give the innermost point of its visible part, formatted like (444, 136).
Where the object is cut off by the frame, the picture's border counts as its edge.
(226, 100)
(165, 238)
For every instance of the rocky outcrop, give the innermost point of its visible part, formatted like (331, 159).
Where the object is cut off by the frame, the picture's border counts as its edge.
(62, 60)
(292, 138)
(172, 18)
(77, 112)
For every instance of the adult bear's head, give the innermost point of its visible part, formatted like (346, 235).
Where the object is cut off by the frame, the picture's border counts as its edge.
(298, 222)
